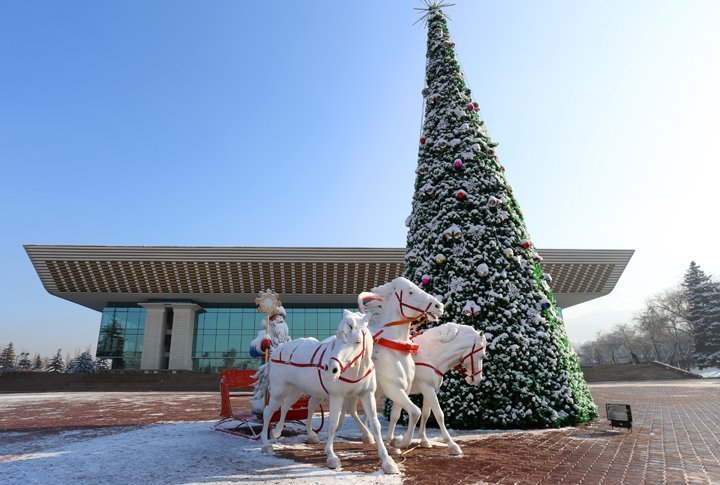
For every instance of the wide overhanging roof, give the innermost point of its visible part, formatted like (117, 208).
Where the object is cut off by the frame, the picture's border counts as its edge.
(92, 276)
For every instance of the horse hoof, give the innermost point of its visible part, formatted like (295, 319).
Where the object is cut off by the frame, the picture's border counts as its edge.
(333, 463)
(390, 468)
(368, 440)
(455, 450)
(313, 440)
(275, 434)
(393, 451)
(402, 444)
(267, 449)
(425, 444)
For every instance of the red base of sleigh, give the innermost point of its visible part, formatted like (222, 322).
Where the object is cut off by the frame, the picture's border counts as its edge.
(249, 426)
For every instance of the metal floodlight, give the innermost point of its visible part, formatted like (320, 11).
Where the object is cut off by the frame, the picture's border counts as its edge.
(619, 415)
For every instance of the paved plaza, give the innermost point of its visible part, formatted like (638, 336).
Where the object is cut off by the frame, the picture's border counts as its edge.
(675, 439)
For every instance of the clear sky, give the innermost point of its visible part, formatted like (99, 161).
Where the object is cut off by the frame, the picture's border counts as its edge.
(287, 123)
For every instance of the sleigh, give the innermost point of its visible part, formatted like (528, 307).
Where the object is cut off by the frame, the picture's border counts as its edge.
(235, 384)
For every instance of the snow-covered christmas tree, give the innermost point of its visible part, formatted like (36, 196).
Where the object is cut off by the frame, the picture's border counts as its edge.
(467, 244)
(703, 297)
(82, 364)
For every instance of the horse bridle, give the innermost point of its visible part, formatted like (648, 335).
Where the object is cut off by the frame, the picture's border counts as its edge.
(460, 368)
(423, 313)
(359, 356)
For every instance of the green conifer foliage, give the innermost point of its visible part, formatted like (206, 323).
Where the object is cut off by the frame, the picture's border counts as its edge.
(703, 297)
(467, 244)
(7, 357)
(56, 363)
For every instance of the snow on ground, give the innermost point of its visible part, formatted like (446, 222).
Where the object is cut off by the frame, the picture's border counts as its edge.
(708, 372)
(162, 453)
(172, 453)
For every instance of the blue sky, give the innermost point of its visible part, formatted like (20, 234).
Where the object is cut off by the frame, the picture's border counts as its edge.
(286, 123)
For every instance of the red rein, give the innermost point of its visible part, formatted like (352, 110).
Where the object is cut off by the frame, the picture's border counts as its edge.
(408, 346)
(459, 367)
(321, 367)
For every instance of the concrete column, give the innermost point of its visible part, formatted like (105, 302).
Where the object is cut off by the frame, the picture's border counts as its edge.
(182, 335)
(154, 339)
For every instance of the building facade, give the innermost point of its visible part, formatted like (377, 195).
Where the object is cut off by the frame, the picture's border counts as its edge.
(192, 308)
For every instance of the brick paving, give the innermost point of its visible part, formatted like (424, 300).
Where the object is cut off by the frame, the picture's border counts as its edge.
(675, 439)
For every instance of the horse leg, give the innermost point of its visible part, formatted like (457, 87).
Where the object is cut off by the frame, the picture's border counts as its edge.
(352, 409)
(424, 441)
(368, 403)
(312, 435)
(430, 395)
(395, 412)
(347, 404)
(400, 398)
(273, 404)
(336, 404)
(290, 398)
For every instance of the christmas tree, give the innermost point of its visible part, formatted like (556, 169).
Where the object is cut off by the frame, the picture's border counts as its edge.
(703, 297)
(468, 245)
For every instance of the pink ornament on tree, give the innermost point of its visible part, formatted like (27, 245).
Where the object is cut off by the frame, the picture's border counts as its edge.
(471, 107)
(458, 163)
(425, 280)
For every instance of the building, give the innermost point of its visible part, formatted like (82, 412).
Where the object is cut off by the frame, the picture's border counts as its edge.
(192, 308)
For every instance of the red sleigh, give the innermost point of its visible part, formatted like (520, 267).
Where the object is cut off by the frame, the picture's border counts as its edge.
(236, 383)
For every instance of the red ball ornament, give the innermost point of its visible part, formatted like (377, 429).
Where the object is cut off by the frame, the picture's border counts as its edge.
(422, 140)
(471, 107)
(525, 244)
(461, 195)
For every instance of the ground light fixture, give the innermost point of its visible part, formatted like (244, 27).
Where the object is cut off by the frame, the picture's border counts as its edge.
(619, 415)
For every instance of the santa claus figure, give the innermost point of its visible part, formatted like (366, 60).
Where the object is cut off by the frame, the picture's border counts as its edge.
(278, 334)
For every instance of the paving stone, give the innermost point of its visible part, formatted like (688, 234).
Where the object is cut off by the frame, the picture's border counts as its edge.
(675, 437)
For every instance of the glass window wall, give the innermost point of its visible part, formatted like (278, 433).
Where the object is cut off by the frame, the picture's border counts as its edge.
(121, 336)
(223, 335)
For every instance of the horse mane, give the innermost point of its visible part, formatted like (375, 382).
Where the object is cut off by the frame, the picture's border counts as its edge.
(438, 332)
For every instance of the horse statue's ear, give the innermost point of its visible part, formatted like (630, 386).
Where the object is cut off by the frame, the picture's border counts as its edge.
(449, 332)
(366, 319)
(383, 291)
(368, 300)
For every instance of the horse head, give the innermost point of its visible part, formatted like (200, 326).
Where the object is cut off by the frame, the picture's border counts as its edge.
(404, 296)
(351, 339)
(472, 359)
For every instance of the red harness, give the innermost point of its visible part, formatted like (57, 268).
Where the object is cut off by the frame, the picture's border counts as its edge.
(321, 367)
(459, 367)
(412, 322)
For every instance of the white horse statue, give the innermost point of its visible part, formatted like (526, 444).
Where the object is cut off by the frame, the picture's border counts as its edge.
(341, 366)
(395, 306)
(442, 348)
